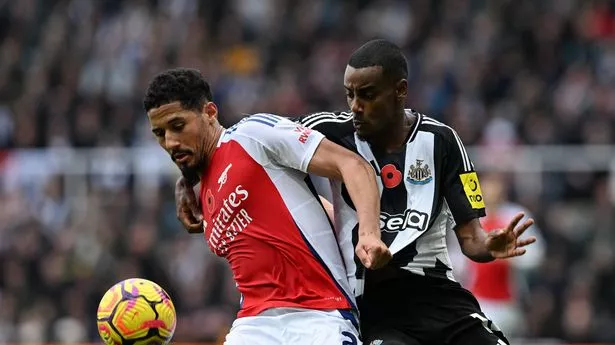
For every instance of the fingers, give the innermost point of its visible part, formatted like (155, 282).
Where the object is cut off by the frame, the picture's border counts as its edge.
(363, 255)
(518, 250)
(196, 213)
(191, 218)
(187, 208)
(513, 223)
(510, 254)
(374, 256)
(379, 257)
(187, 200)
(191, 201)
(526, 241)
(190, 222)
(520, 230)
(195, 228)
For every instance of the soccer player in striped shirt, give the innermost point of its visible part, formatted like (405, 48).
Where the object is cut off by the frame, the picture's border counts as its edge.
(428, 186)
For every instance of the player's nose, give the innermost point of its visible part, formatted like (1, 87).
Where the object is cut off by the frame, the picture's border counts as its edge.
(171, 142)
(356, 106)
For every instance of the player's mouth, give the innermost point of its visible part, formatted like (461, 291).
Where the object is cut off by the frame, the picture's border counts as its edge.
(181, 157)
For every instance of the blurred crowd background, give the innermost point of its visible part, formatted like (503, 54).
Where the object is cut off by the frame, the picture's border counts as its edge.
(504, 73)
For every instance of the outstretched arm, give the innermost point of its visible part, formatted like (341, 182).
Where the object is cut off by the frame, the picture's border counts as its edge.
(335, 162)
(480, 246)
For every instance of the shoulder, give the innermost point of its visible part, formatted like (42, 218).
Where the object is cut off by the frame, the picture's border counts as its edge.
(334, 125)
(439, 129)
(334, 118)
(257, 125)
(451, 143)
(271, 131)
(259, 121)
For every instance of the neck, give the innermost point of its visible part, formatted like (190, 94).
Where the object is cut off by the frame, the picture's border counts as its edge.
(211, 146)
(395, 138)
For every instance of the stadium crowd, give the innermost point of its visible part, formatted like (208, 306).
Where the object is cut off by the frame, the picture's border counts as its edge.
(73, 72)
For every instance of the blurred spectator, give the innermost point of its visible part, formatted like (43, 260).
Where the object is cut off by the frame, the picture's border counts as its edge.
(72, 73)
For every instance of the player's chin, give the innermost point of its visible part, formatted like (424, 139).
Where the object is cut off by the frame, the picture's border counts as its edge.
(189, 170)
(362, 133)
(184, 166)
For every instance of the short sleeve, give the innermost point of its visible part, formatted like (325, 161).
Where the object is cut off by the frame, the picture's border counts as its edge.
(333, 125)
(461, 187)
(287, 143)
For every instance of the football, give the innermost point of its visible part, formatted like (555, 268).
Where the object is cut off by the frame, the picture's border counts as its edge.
(136, 311)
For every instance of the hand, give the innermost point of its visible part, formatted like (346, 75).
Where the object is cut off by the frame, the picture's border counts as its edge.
(372, 252)
(187, 207)
(505, 243)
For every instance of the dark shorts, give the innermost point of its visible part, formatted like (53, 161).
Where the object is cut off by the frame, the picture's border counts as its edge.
(417, 310)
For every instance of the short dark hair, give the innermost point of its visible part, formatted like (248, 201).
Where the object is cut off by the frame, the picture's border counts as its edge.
(381, 53)
(184, 85)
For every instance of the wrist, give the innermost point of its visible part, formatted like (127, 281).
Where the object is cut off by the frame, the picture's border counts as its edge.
(481, 258)
(486, 255)
(479, 252)
(367, 231)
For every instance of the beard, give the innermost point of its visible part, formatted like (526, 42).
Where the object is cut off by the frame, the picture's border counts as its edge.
(191, 176)
(191, 173)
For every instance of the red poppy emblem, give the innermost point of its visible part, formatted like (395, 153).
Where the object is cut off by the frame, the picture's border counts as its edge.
(391, 176)
(209, 201)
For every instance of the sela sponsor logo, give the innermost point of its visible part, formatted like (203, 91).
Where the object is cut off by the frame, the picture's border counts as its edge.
(223, 177)
(304, 133)
(229, 221)
(410, 219)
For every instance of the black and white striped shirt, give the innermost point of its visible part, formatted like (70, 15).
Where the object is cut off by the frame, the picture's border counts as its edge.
(426, 189)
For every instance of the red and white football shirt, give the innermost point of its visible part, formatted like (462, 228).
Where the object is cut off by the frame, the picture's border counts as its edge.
(263, 217)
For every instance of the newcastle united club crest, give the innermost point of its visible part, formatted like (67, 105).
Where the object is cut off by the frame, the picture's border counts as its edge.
(419, 173)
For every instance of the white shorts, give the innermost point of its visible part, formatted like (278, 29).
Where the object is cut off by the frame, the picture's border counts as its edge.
(286, 326)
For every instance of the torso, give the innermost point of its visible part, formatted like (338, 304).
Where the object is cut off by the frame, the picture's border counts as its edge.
(264, 219)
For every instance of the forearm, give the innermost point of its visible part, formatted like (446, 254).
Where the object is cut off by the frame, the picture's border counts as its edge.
(335, 162)
(360, 180)
(472, 240)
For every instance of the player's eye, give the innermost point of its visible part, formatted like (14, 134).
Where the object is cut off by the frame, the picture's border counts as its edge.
(368, 96)
(350, 95)
(178, 126)
(158, 133)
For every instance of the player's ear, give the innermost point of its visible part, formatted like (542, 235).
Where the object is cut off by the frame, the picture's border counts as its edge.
(402, 89)
(210, 110)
